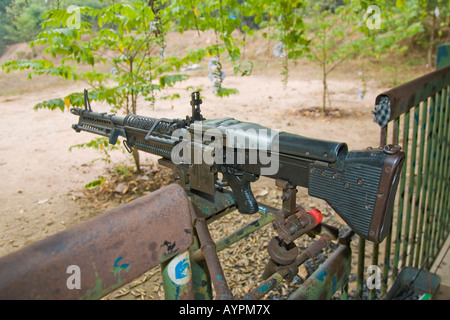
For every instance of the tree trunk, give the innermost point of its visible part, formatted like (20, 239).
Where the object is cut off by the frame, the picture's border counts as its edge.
(324, 71)
(325, 89)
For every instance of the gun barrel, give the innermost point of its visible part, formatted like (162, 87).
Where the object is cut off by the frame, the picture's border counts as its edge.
(95, 122)
(313, 149)
(143, 133)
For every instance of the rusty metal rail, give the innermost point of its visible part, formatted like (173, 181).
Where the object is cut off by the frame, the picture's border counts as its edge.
(107, 251)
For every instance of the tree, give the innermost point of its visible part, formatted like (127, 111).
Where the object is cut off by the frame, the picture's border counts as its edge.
(131, 43)
(3, 24)
(21, 20)
(332, 31)
(434, 18)
(24, 19)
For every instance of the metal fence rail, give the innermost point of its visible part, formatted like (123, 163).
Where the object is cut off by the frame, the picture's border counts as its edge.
(416, 116)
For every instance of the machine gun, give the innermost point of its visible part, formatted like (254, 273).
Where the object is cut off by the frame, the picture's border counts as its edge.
(211, 154)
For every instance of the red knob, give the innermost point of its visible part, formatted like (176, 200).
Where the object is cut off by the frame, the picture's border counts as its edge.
(317, 215)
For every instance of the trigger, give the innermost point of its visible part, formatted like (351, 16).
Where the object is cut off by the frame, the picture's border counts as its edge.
(128, 146)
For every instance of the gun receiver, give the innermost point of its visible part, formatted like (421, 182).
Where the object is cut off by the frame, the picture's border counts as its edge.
(359, 185)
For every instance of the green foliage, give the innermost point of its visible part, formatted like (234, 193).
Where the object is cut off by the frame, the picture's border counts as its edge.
(95, 183)
(398, 22)
(3, 23)
(435, 19)
(24, 18)
(283, 19)
(122, 170)
(51, 104)
(100, 144)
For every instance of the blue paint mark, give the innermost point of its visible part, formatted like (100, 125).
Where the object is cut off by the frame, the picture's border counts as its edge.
(182, 269)
(334, 284)
(122, 266)
(219, 277)
(264, 288)
(263, 210)
(416, 117)
(177, 292)
(322, 273)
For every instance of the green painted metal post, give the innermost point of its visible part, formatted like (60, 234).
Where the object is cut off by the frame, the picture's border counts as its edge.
(420, 115)
(443, 55)
(375, 254)
(344, 292)
(328, 278)
(446, 222)
(408, 244)
(360, 271)
(420, 190)
(201, 279)
(425, 187)
(401, 197)
(435, 177)
(431, 179)
(177, 277)
(443, 230)
(439, 176)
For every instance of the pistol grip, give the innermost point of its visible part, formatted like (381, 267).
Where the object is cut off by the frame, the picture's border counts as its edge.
(239, 182)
